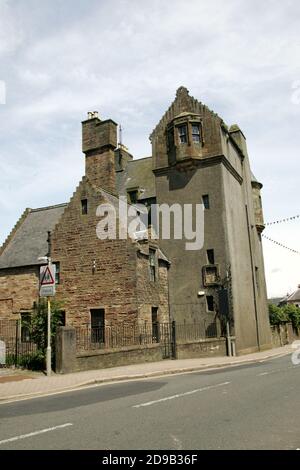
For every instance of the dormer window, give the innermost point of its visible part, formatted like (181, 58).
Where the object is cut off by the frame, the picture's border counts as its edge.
(182, 133)
(196, 133)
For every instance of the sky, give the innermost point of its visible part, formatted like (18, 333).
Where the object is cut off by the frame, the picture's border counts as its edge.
(126, 58)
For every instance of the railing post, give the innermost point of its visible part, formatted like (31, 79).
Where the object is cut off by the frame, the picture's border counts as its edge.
(17, 343)
(173, 339)
(228, 339)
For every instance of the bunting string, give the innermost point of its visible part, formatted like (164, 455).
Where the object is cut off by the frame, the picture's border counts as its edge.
(288, 219)
(280, 244)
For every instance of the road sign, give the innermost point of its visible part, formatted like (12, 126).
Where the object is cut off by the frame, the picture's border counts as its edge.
(47, 280)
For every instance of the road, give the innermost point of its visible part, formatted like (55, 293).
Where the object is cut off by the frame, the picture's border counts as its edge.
(246, 407)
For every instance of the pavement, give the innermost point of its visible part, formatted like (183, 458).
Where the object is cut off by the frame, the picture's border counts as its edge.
(19, 384)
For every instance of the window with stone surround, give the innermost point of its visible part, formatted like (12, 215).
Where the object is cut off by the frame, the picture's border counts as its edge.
(25, 327)
(155, 324)
(84, 206)
(152, 264)
(98, 325)
(182, 134)
(205, 200)
(133, 196)
(210, 256)
(57, 272)
(210, 305)
(196, 133)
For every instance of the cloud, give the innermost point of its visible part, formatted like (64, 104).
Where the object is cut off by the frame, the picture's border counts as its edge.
(11, 34)
(126, 58)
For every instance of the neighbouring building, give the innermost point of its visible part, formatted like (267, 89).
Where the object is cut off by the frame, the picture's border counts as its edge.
(293, 298)
(195, 158)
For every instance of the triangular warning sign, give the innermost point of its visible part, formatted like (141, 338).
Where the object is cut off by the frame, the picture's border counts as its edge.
(47, 278)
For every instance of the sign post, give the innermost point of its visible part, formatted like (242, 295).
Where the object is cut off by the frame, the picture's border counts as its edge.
(47, 289)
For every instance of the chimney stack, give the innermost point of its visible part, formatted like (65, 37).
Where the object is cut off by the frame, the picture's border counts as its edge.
(99, 140)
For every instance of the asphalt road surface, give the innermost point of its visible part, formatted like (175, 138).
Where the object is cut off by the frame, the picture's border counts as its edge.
(245, 407)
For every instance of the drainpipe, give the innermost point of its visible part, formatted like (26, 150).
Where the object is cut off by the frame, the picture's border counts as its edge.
(253, 278)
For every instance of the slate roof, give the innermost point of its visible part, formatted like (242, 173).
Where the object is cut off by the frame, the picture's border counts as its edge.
(29, 241)
(295, 297)
(137, 174)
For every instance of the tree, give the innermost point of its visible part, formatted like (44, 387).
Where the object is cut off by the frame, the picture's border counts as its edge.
(293, 314)
(38, 326)
(277, 315)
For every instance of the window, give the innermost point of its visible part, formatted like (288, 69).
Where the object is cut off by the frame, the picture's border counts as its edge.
(148, 203)
(182, 133)
(57, 273)
(257, 277)
(25, 327)
(62, 318)
(210, 303)
(211, 275)
(152, 265)
(196, 133)
(84, 206)
(205, 200)
(133, 196)
(98, 325)
(210, 256)
(155, 325)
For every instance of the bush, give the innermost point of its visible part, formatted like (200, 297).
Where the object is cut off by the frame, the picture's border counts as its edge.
(33, 361)
(293, 314)
(277, 315)
(38, 332)
(287, 313)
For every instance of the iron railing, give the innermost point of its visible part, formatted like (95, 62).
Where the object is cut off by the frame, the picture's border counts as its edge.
(133, 334)
(116, 336)
(16, 347)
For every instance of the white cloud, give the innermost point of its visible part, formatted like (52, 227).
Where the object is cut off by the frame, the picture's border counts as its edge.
(126, 58)
(11, 33)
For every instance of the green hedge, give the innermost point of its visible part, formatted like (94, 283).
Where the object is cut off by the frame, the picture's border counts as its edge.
(284, 314)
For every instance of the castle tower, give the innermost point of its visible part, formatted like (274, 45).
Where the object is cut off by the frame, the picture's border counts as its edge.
(198, 159)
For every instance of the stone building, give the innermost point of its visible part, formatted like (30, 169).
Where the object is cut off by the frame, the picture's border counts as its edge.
(196, 159)
(293, 299)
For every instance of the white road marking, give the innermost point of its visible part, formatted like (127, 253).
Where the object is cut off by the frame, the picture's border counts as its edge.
(35, 433)
(179, 395)
(276, 370)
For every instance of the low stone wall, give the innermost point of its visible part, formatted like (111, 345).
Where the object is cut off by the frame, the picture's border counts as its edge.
(102, 359)
(201, 348)
(284, 334)
(70, 360)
